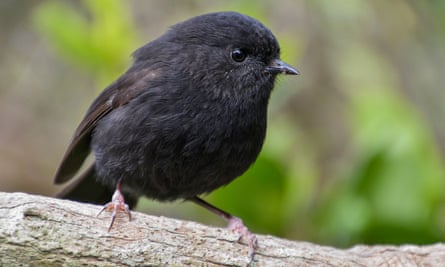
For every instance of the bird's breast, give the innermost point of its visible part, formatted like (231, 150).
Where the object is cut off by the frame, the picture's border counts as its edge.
(178, 150)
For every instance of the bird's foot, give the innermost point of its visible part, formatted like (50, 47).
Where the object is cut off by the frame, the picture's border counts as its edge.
(236, 225)
(117, 204)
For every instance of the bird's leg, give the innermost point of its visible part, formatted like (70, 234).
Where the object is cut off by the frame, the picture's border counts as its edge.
(117, 204)
(234, 224)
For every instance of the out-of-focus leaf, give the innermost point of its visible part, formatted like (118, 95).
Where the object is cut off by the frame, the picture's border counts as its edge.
(257, 196)
(99, 41)
(394, 192)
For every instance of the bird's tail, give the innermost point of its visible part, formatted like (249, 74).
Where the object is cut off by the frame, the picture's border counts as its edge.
(86, 188)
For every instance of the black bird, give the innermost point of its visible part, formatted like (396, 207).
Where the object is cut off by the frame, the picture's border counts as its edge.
(187, 117)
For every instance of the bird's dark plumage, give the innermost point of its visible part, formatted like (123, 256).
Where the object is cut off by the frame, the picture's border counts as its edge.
(188, 116)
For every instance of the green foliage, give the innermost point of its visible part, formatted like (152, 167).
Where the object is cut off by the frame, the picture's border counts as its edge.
(99, 41)
(258, 196)
(396, 185)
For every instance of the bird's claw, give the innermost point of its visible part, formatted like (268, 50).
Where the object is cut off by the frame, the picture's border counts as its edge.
(117, 204)
(236, 225)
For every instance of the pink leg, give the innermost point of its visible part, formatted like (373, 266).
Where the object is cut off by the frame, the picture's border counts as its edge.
(234, 224)
(117, 204)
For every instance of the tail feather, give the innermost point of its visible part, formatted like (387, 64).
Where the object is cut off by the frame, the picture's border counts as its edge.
(86, 188)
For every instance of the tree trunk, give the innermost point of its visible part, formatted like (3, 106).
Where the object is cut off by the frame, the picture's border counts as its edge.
(43, 231)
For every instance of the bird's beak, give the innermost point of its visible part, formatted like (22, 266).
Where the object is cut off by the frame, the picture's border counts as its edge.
(279, 67)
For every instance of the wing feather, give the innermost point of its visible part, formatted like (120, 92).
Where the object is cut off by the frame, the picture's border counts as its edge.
(127, 87)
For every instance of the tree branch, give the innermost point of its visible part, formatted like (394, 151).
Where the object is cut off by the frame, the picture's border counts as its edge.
(43, 231)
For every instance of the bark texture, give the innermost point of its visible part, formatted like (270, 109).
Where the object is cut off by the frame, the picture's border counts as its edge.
(43, 231)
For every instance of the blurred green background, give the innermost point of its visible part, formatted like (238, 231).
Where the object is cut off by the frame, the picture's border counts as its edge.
(354, 152)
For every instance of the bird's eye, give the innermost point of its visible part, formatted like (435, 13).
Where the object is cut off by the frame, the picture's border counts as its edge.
(238, 55)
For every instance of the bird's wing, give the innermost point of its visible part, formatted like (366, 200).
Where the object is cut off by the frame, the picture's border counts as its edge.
(117, 94)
